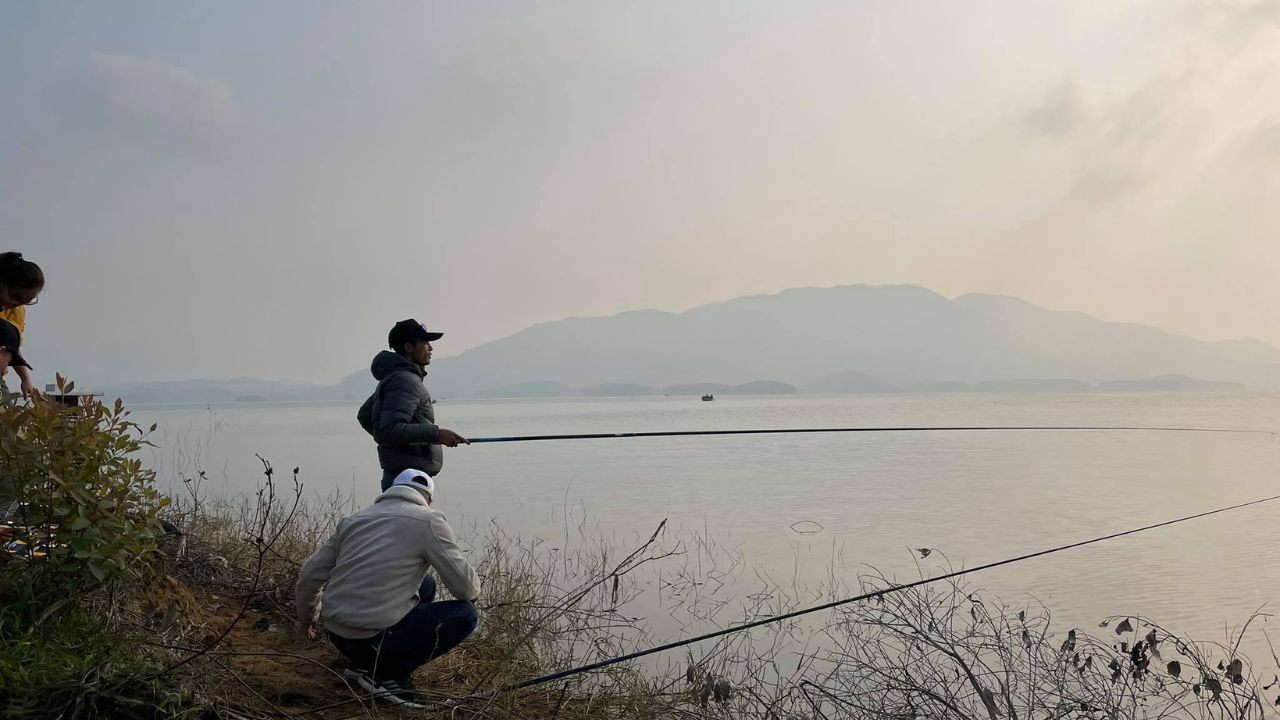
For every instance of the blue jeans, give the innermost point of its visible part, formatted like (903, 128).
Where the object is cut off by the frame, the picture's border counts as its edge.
(388, 477)
(429, 630)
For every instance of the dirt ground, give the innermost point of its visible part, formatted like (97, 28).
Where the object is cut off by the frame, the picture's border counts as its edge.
(265, 667)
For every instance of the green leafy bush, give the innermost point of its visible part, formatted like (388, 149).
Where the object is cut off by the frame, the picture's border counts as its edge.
(83, 509)
(64, 667)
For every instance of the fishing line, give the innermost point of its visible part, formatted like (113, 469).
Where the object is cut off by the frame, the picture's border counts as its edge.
(560, 675)
(865, 596)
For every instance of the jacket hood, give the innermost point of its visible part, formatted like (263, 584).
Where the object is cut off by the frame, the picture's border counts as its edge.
(387, 362)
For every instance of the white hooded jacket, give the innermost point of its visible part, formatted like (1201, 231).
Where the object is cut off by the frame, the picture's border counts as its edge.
(369, 571)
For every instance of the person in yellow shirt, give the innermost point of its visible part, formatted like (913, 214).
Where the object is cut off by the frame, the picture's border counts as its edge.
(20, 284)
(9, 344)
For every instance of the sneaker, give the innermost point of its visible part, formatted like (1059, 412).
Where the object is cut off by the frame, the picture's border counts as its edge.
(388, 690)
(406, 695)
(414, 697)
(407, 692)
(410, 693)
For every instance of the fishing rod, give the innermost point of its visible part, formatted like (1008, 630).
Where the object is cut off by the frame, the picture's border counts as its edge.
(871, 595)
(779, 431)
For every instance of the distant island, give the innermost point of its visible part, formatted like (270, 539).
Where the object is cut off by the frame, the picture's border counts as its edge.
(846, 339)
(1034, 385)
(551, 388)
(1169, 383)
(759, 387)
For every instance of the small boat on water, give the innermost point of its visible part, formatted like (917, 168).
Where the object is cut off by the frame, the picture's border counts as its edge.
(708, 397)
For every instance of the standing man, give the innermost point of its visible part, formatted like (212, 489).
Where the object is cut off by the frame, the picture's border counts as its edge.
(370, 583)
(399, 414)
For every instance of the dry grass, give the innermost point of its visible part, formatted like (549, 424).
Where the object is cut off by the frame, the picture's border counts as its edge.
(215, 625)
(222, 617)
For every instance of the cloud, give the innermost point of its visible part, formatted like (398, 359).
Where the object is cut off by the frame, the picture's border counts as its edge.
(1061, 113)
(1234, 17)
(141, 100)
(1212, 92)
(1263, 144)
(1110, 145)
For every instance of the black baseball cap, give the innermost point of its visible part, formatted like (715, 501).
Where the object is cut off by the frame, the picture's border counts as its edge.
(11, 340)
(410, 331)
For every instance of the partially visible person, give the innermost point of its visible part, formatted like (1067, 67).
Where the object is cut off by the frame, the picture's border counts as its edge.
(20, 284)
(10, 353)
(369, 583)
(400, 414)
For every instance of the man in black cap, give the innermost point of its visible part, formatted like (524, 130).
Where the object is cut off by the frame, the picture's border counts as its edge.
(10, 344)
(399, 414)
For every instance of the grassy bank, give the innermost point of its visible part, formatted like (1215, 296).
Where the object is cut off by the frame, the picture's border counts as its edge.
(127, 603)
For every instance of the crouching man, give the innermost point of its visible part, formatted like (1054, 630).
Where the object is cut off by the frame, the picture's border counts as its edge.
(377, 596)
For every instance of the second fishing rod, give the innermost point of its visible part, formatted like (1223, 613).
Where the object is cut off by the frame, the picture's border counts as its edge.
(879, 429)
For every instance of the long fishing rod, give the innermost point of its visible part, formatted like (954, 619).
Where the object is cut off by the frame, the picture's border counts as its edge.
(778, 431)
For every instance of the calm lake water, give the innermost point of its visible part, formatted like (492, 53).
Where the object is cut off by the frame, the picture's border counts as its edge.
(801, 508)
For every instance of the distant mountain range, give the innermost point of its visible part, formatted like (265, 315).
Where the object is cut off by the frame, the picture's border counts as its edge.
(848, 339)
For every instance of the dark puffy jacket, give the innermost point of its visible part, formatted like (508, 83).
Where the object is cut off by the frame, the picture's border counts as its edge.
(400, 417)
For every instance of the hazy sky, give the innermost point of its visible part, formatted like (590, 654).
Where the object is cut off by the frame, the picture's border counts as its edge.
(222, 189)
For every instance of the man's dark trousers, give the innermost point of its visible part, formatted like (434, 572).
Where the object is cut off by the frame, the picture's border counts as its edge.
(388, 477)
(429, 630)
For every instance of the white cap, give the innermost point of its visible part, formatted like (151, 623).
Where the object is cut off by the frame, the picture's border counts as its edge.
(416, 479)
